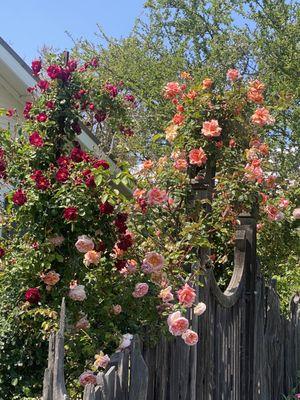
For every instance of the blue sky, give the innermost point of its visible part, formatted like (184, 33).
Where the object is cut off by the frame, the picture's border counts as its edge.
(28, 25)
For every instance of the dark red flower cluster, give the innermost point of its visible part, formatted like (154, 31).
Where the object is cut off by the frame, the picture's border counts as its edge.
(100, 116)
(70, 213)
(106, 208)
(78, 155)
(62, 174)
(63, 161)
(41, 182)
(2, 252)
(19, 197)
(35, 139)
(43, 85)
(111, 89)
(126, 131)
(125, 242)
(41, 117)
(57, 72)
(100, 163)
(33, 295)
(2, 165)
(120, 222)
(36, 66)
(120, 264)
(27, 108)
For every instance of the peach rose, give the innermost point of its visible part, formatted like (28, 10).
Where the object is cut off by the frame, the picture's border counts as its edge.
(190, 337)
(139, 193)
(131, 266)
(50, 278)
(180, 164)
(77, 293)
(262, 117)
(154, 261)
(296, 213)
(186, 295)
(233, 74)
(197, 157)
(140, 290)
(178, 119)
(84, 244)
(91, 257)
(257, 85)
(171, 132)
(207, 83)
(211, 128)
(171, 90)
(87, 377)
(199, 309)
(101, 360)
(253, 171)
(117, 309)
(177, 323)
(255, 96)
(148, 164)
(156, 196)
(166, 294)
(82, 323)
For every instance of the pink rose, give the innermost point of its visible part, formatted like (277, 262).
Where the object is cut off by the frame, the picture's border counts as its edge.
(190, 337)
(92, 257)
(171, 90)
(186, 295)
(177, 323)
(166, 294)
(156, 196)
(82, 323)
(101, 360)
(125, 341)
(296, 213)
(180, 164)
(50, 278)
(211, 128)
(84, 244)
(200, 309)
(77, 293)
(56, 240)
(87, 377)
(140, 290)
(253, 172)
(117, 309)
(283, 203)
(153, 261)
(233, 74)
(197, 157)
(262, 117)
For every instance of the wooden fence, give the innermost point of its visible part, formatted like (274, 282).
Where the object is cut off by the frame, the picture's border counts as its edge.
(247, 350)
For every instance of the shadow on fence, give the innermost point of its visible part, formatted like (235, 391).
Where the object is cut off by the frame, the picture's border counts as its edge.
(247, 350)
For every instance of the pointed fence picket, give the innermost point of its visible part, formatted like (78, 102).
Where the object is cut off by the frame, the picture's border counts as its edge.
(247, 349)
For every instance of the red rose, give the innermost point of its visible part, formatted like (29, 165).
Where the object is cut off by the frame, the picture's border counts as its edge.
(90, 181)
(70, 213)
(63, 161)
(101, 163)
(50, 104)
(42, 183)
(33, 295)
(36, 66)
(106, 208)
(2, 252)
(76, 128)
(43, 85)
(101, 246)
(53, 71)
(36, 140)
(19, 197)
(62, 174)
(77, 155)
(100, 116)
(27, 108)
(72, 65)
(42, 117)
(126, 131)
(125, 242)
(120, 264)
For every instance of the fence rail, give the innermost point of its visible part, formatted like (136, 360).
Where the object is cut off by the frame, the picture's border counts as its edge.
(247, 350)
